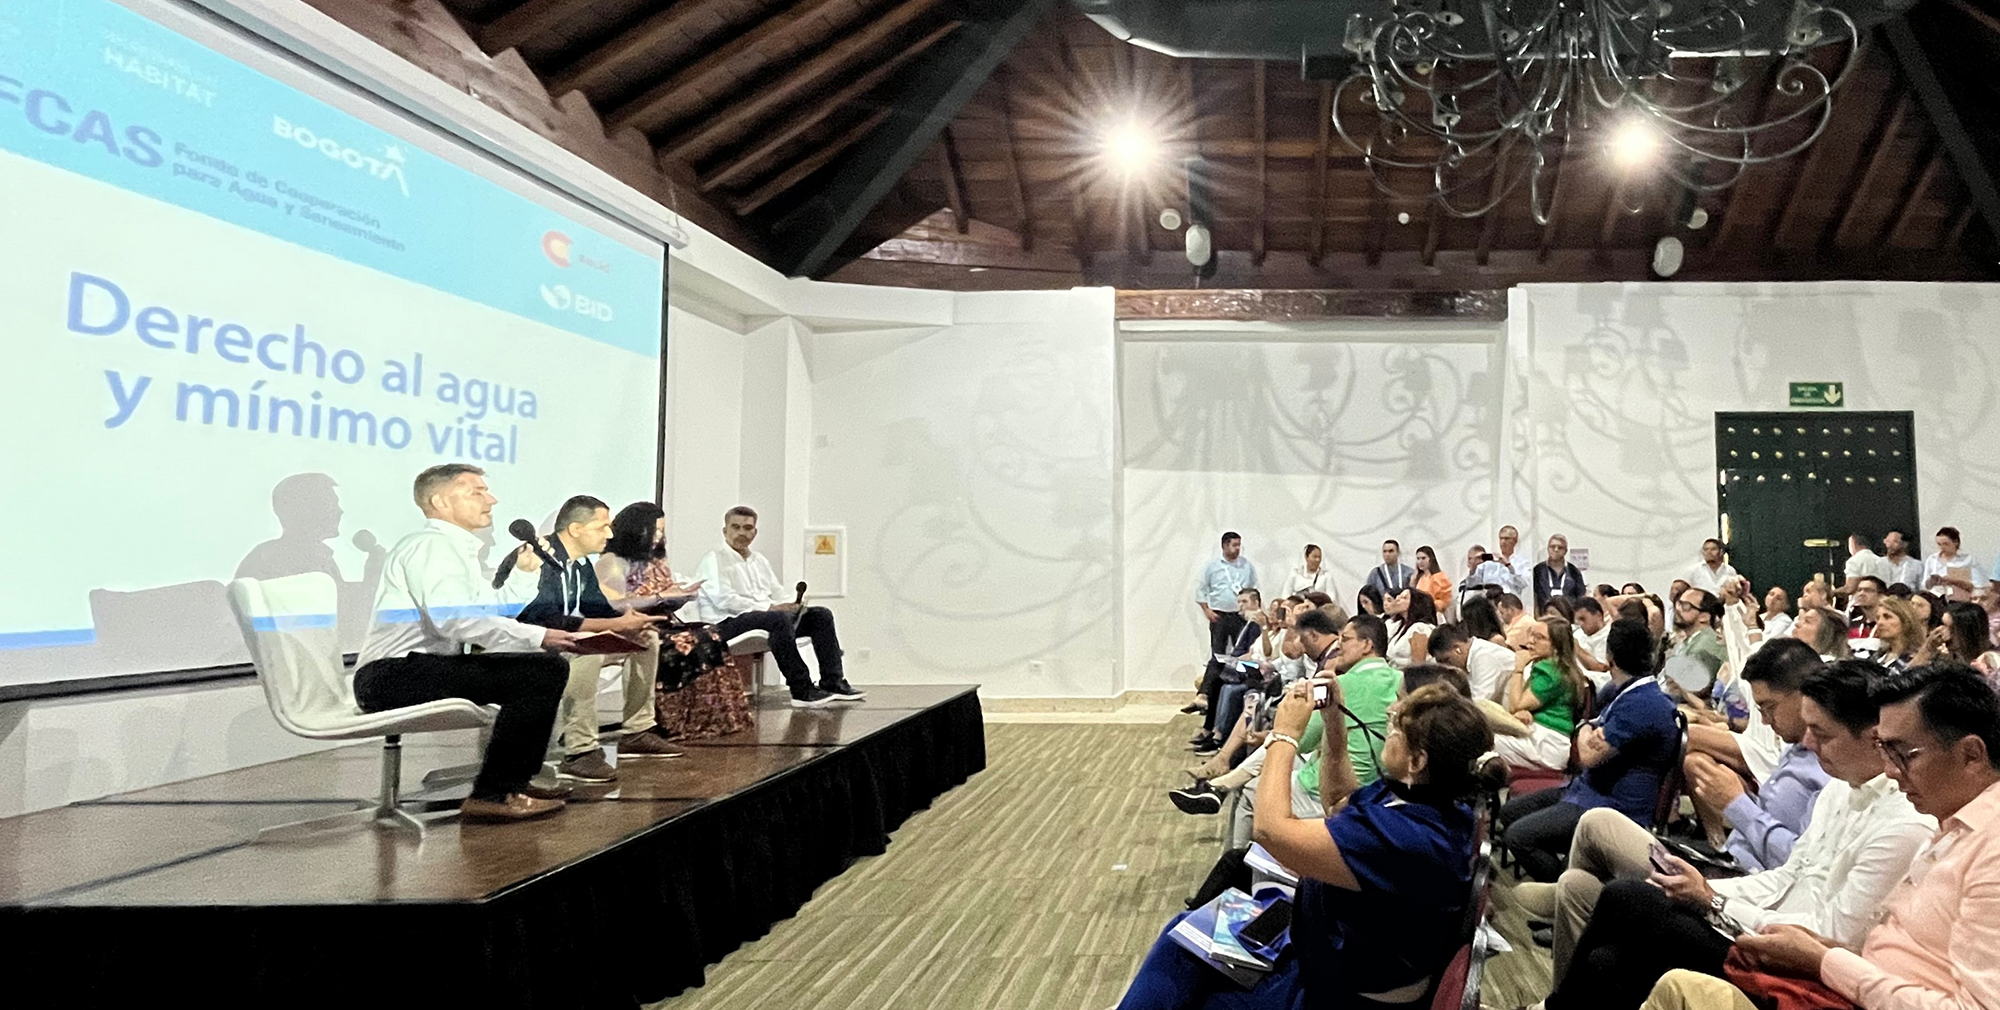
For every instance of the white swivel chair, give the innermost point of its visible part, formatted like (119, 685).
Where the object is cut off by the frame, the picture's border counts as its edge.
(755, 642)
(292, 628)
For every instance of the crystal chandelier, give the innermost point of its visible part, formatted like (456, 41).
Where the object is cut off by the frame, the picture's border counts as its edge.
(1482, 95)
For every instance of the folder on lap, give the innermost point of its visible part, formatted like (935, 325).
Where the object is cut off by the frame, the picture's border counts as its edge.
(1196, 935)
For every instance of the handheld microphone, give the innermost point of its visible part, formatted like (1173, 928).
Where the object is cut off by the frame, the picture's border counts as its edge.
(523, 531)
(800, 599)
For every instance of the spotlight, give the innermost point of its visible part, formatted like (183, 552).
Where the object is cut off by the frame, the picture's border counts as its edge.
(1668, 254)
(1199, 244)
(1131, 148)
(1635, 144)
(1170, 219)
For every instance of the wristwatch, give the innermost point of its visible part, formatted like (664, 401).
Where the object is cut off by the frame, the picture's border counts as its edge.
(1715, 902)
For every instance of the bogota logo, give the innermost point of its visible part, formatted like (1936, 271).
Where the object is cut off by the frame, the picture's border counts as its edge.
(557, 296)
(555, 245)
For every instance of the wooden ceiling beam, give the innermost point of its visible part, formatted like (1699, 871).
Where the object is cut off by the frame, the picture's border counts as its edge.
(736, 119)
(1017, 187)
(1614, 205)
(1259, 107)
(679, 94)
(954, 182)
(1321, 185)
(1848, 233)
(806, 240)
(604, 62)
(819, 159)
(814, 113)
(1556, 174)
(1378, 224)
(1081, 240)
(528, 21)
(1734, 231)
(1911, 197)
(1972, 157)
(1489, 224)
(1433, 226)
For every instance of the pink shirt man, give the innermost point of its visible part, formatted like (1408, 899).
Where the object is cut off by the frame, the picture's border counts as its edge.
(1938, 945)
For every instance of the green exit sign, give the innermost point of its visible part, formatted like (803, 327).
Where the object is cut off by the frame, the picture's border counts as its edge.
(1818, 394)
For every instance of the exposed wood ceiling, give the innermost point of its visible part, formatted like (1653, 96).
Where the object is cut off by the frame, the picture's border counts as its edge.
(876, 141)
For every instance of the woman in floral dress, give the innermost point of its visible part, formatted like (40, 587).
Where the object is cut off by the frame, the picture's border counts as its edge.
(695, 697)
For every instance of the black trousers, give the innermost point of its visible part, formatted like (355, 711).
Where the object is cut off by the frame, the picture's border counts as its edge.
(785, 629)
(1539, 828)
(1222, 634)
(528, 687)
(1636, 934)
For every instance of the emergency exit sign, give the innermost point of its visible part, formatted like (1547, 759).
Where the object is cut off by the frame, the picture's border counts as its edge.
(1818, 394)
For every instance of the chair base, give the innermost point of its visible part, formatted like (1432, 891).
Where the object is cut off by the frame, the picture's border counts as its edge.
(386, 811)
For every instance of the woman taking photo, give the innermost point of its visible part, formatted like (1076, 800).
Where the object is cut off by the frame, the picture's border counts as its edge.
(1546, 693)
(694, 697)
(1383, 879)
(1962, 636)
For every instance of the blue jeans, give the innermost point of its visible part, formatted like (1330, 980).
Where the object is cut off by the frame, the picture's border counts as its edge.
(1228, 706)
(1172, 979)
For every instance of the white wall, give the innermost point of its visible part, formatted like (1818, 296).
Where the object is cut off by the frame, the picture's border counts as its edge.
(973, 466)
(1619, 385)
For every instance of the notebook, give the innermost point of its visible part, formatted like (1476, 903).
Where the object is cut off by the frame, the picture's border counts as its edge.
(1196, 935)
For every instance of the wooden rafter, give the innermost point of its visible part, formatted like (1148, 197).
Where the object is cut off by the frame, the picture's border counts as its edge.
(1557, 174)
(1489, 224)
(1912, 196)
(819, 159)
(817, 111)
(1322, 196)
(1614, 205)
(1735, 228)
(1010, 155)
(1848, 233)
(1433, 225)
(950, 170)
(736, 119)
(680, 93)
(1259, 101)
(527, 21)
(648, 36)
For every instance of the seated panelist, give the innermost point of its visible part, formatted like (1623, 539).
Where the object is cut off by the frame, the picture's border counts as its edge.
(740, 593)
(434, 602)
(569, 597)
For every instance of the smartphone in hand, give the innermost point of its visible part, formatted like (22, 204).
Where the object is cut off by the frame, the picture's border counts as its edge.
(1657, 855)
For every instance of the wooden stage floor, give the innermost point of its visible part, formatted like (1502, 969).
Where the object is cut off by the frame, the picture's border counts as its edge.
(707, 849)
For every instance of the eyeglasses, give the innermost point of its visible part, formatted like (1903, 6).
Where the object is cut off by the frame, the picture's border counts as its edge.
(1901, 758)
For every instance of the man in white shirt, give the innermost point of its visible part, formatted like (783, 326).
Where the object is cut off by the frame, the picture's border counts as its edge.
(1711, 571)
(1485, 663)
(1518, 564)
(1862, 561)
(436, 599)
(1590, 629)
(740, 593)
(1903, 568)
(1861, 840)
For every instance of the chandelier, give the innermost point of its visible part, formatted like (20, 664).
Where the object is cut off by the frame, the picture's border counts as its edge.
(1482, 96)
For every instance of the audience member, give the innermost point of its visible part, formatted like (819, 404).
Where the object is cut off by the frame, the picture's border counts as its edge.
(1514, 619)
(1761, 826)
(1383, 881)
(1862, 561)
(1899, 633)
(1368, 601)
(1554, 577)
(1632, 589)
(1558, 607)
(570, 598)
(1215, 594)
(1411, 617)
(1697, 613)
(1903, 569)
(1223, 681)
(1319, 638)
(1951, 572)
(1646, 919)
(1432, 579)
(695, 697)
(1546, 692)
(1591, 627)
(1482, 572)
(1961, 637)
(1776, 617)
(1711, 571)
(1929, 608)
(740, 593)
(1310, 575)
(1392, 576)
(1824, 629)
(434, 600)
(1486, 663)
(1937, 942)
(1625, 751)
(1517, 563)
(1865, 593)
(1482, 621)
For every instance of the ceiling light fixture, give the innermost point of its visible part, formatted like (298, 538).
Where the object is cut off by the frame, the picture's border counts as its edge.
(1131, 148)
(1462, 92)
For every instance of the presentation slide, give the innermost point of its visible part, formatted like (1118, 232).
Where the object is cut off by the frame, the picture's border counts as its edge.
(242, 306)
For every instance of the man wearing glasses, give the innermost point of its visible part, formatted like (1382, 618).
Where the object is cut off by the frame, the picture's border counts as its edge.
(1696, 614)
(1938, 942)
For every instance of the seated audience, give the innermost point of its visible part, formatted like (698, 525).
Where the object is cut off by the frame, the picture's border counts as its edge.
(1432, 580)
(1555, 578)
(1392, 575)
(1319, 640)
(1935, 941)
(1625, 751)
(695, 696)
(1590, 628)
(1221, 676)
(1546, 693)
(1951, 572)
(1866, 600)
(1310, 575)
(740, 593)
(1368, 601)
(1962, 638)
(1697, 618)
(1903, 569)
(1412, 615)
(434, 600)
(1486, 664)
(1899, 633)
(570, 598)
(1644, 920)
(1709, 573)
(1383, 881)
(1757, 829)
(1824, 629)
(1514, 619)
(1776, 619)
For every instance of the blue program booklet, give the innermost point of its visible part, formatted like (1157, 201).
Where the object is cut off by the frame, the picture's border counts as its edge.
(1195, 933)
(1233, 911)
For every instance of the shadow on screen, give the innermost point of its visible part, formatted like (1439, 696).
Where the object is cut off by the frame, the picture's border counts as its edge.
(308, 509)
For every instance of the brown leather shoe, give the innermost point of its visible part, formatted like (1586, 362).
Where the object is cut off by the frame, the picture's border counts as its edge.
(558, 790)
(647, 745)
(516, 807)
(588, 766)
